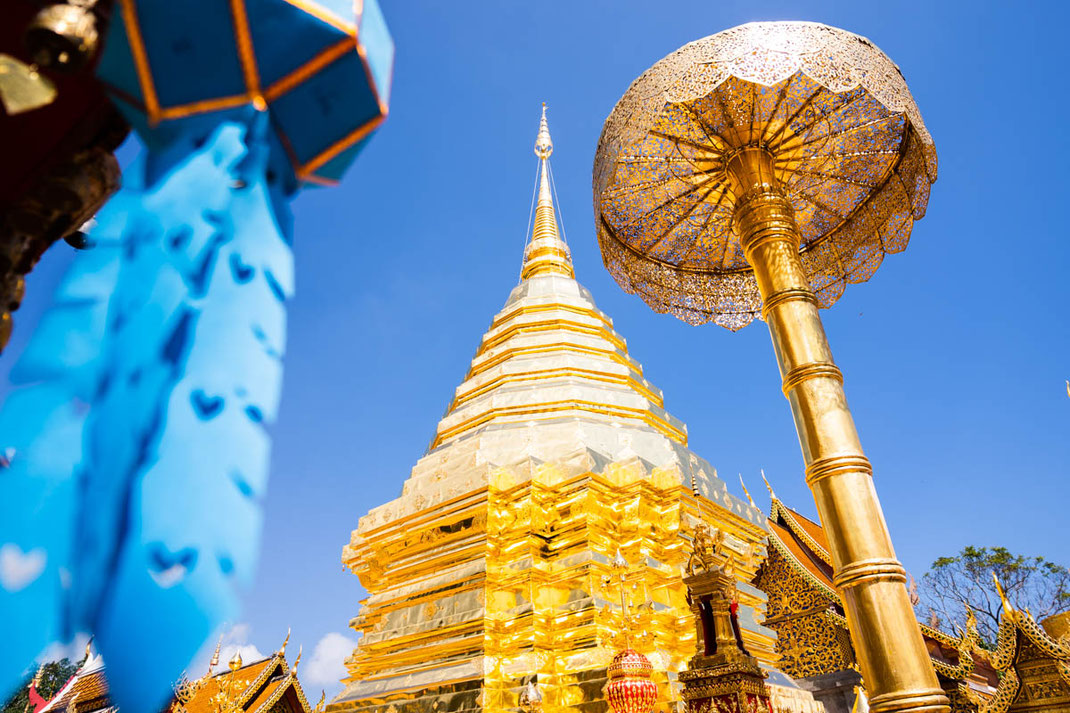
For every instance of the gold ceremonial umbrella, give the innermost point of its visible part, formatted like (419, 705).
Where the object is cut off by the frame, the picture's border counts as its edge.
(758, 171)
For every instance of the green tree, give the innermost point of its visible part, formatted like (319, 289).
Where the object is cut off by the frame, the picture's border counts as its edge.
(53, 675)
(952, 583)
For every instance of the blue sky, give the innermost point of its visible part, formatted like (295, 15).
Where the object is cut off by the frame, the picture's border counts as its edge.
(955, 353)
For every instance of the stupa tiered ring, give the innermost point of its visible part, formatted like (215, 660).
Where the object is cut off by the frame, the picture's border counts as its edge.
(757, 172)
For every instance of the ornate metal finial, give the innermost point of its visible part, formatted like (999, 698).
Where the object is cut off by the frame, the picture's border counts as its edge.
(215, 656)
(530, 699)
(746, 492)
(88, 648)
(282, 649)
(1002, 595)
(768, 487)
(544, 146)
(235, 661)
(297, 661)
(322, 704)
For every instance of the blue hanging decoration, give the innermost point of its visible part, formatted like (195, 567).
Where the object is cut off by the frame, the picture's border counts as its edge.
(139, 436)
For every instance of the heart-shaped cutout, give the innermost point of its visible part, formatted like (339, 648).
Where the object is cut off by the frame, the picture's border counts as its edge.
(242, 273)
(206, 407)
(169, 568)
(19, 569)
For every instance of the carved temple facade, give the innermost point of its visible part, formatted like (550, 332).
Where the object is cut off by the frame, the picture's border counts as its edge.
(812, 637)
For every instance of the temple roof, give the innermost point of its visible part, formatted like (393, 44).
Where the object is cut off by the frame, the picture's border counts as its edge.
(253, 687)
(87, 689)
(551, 382)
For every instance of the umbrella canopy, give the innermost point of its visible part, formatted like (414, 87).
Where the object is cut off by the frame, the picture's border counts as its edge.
(324, 76)
(847, 143)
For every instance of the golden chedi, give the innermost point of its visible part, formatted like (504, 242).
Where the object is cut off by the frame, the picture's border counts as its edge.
(487, 572)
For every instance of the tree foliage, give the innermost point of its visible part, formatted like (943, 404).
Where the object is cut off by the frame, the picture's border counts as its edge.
(53, 675)
(952, 583)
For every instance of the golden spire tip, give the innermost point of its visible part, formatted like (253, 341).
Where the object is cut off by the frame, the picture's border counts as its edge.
(235, 661)
(544, 146)
(282, 649)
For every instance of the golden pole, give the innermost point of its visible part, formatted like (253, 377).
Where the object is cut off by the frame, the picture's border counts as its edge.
(895, 663)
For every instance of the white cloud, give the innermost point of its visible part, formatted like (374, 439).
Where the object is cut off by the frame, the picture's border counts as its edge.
(73, 650)
(326, 667)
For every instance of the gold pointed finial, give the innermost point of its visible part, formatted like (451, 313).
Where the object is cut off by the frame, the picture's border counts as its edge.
(88, 648)
(297, 661)
(746, 492)
(282, 649)
(235, 661)
(546, 252)
(322, 702)
(544, 146)
(768, 487)
(1002, 595)
(215, 656)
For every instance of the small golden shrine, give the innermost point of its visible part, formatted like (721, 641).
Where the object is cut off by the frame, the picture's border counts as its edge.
(488, 572)
(722, 677)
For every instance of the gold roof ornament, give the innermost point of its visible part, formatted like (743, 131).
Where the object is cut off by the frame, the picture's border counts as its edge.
(235, 661)
(1002, 595)
(745, 491)
(772, 495)
(282, 649)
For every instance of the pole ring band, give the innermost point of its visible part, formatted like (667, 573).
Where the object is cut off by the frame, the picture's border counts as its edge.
(930, 700)
(813, 370)
(837, 465)
(878, 569)
(792, 295)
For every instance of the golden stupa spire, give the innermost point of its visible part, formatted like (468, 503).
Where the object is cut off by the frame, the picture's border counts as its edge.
(546, 253)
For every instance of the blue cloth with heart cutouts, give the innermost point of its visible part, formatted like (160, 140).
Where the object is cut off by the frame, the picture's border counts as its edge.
(134, 458)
